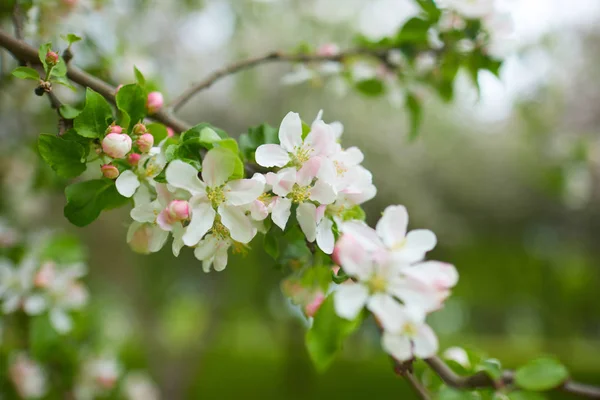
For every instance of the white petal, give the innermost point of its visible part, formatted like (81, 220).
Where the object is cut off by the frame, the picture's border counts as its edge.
(352, 257)
(163, 195)
(307, 218)
(220, 261)
(243, 191)
(240, 227)
(351, 156)
(425, 342)
(158, 238)
(183, 176)
(127, 183)
(290, 132)
(323, 193)
(437, 274)
(308, 171)
(271, 155)
(60, 320)
(415, 294)
(284, 182)
(322, 139)
(35, 304)
(206, 248)
(391, 228)
(388, 311)
(325, 238)
(177, 244)
(142, 196)
(258, 210)
(280, 212)
(421, 239)
(398, 346)
(11, 303)
(203, 216)
(215, 171)
(349, 299)
(327, 172)
(144, 213)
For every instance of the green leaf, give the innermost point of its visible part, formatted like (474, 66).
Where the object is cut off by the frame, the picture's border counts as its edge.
(60, 69)
(71, 38)
(448, 393)
(327, 334)
(271, 244)
(356, 212)
(62, 80)
(158, 131)
(414, 31)
(541, 374)
(139, 77)
(65, 157)
(95, 117)
(68, 112)
(43, 338)
(43, 50)
(132, 99)
(256, 136)
(492, 367)
(431, 9)
(415, 113)
(370, 87)
(26, 73)
(63, 249)
(523, 395)
(86, 200)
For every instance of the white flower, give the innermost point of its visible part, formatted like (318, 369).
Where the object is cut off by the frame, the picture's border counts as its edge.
(97, 377)
(16, 283)
(214, 202)
(28, 377)
(471, 8)
(139, 386)
(294, 150)
(149, 166)
(414, 339)
(212, 250)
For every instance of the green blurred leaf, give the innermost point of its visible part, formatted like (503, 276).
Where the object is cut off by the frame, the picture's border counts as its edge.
(43, 50)
(256, 136)
(132, 100)
(448, 393)
(65, 157)
(60, 69)
(86, 200)
(271, 244)
(71, 38)
(62, 80)
(95, 117)
(139, 77)
(430, 9)
(523, 395)
(492, 367)
(414, 31)
(68, 112)
(327, 334)
(158, 131)
(415, 113)
(26, 73)
(541, 374)
(64, 249)
(370, 87)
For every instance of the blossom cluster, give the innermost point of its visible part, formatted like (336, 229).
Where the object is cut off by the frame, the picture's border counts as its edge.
(390, 279)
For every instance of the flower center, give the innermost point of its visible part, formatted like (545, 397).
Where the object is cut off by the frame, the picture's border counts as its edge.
(377, 284)
(301, 155)
(340, 168)
(299, 194)
(220, 230)
(215, 195)
(410, 329)
(399, 244)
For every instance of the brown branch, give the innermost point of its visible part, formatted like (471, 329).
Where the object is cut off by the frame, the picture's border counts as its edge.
(267, 58)
(405, 370)
(483, 380)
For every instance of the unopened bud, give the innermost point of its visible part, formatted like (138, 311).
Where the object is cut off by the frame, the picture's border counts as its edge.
(139, 129)
(311, 308)
(114, 129)
(170, 132)
(176, 210)
(116, 145)
(134, 159)
(145, 142)
(52, 58)
(110, 171)
(155, 102)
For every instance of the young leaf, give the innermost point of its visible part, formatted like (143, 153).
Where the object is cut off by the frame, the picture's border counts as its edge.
(415, 113)
(43, 50)
(158, 131)
(62, 80)
(132, 100)
(139, 77)
(86, 200)
(60, 69)
(26, 73)
(370, 87)
(541, 374)
(68, 112)
(94, 119)
(71, 38)
(327, 334)
(65, 157)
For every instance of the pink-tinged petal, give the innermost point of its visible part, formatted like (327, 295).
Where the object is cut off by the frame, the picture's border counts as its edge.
(202, 220)
(350, 157)
(290, 132)
(439, 275)
(308, 171)
(271, 155)
(388, 311)
(258, 210)
(243, 191)
(320, 212)
(352, 257)
(325, 238)
(183, 176)
(323, 192)
(306, 215)
(271, 178)
(165, 221)
(240, 227)
(206, 248)
(280, 213)
(216, 167)
(391, 228)
(397, 346)
(327, 172)
(321, 139)
(127, 183)
(163, 195)
(286, 178)
(363, 234)
(425, 342)
(349, 299)
(362, 195)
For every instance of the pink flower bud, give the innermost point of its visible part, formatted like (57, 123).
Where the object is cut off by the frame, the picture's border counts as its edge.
(311, 308)
(45, 275)
(115, 129)
(139, 129)
(52, 58)
(176, 210)
(134, 159)
(328, 49)
(118, 88)
(170, 132)
(110, 171)
(116, 145)
(155, 102)
(70, 3)
(145, 142)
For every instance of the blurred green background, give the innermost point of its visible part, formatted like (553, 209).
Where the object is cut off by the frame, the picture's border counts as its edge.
(508, 180)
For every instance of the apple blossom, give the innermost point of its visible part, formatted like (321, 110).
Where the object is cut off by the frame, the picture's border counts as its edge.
(139, 386)
(145, 142)
(27, 376)
(147, 168)
(146, 238)
(139, 129)
(471, 8)
(97, 377)
(109, 171)
(155, 102)
(133, 159)
(16, 283)
(116, 145)
(212, 251)
(414, 339)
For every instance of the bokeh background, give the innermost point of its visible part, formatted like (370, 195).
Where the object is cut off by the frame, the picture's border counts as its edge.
(508, 179)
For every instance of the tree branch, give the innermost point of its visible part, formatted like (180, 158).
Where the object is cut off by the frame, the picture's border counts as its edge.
(267, 58)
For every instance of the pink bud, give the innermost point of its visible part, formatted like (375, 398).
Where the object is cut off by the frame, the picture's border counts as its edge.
(155, 102)
(176, 210)
(115, 129)
(170, 132)
(45, 275)
(118, 88)
(311, 308)
(139, 129)
(134, 159)
(52, 58)
(110, 171)
(116, 145)
(145, 142)
(328, 49)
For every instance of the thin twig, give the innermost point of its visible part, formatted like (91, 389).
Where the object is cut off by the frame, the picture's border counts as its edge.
(405, 370)
(269, 57)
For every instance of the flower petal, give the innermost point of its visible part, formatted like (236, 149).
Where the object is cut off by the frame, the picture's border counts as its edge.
(217, 167)
(271, 155)
(363, 234)
(127, 183)
(243, 191)
(388, 311)
(284, 182)
(391, 228)
(398, 346)
(439, 275)
(158, 238)
(144, 213)
(258, 210)
(220, 261)
(35, 304)
(352, 257)
(425, 342)
(203, 216)
(308, 171)
(323, 192)
(351, 156)
(183, 176)
(321, 139)
(240, 227)
(349, 299)
(290, 132)
(60, 320)
(307, 218)
(177, 244)
(280, 213)
(206, 248)
(421, 239)
(325, 238)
